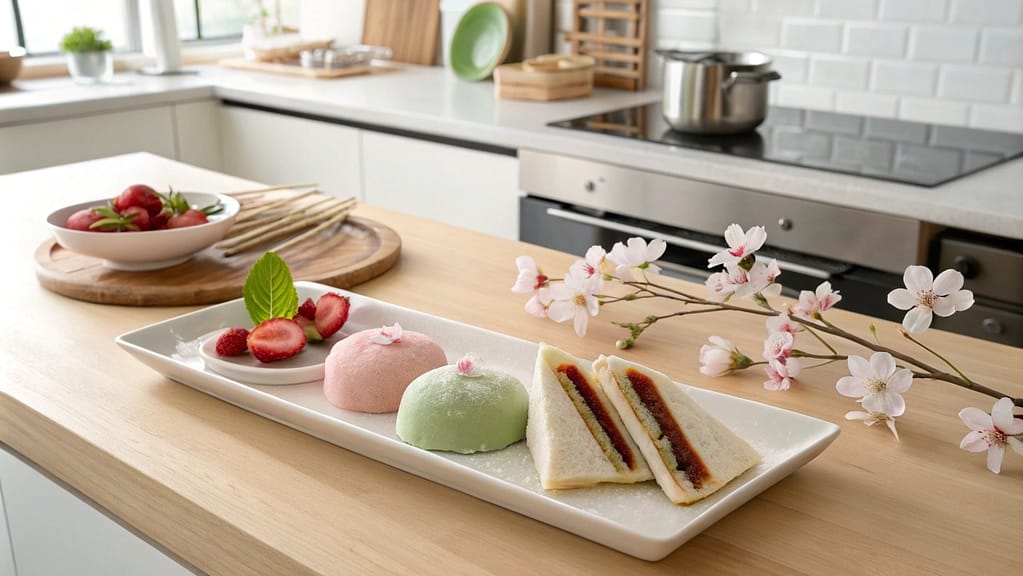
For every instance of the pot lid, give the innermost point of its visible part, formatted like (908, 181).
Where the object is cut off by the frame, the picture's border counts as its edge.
(731, 60)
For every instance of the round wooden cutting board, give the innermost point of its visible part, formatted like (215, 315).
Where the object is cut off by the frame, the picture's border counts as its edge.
(361, 250)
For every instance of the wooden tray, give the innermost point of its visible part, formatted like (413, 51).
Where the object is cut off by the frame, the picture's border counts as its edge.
(362, 250)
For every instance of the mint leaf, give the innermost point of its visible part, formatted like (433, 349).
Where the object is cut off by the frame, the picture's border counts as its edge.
(269, 291)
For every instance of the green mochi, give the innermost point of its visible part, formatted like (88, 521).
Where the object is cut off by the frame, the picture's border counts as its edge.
(445, 410)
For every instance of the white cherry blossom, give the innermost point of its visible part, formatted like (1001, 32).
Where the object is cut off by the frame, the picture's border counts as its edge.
(387, 335)
(740, 244)
(721, 357)
(992, 432)
(636, 256)
(530, 277)
(574, 299)
(783, 323)
(924, 295)
(878, 383)
(780, 375)
(811, 304)
(871, 418)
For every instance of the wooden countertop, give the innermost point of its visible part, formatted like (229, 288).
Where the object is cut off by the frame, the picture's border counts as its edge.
(233, 493)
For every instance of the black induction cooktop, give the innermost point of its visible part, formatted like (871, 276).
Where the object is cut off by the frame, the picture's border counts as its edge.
(895, 150)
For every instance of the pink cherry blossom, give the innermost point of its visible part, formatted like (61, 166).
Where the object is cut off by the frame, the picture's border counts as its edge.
(595, 263)
(778, 346)
(783, 323)
(636, 257)
(387, 335)
(871, 418)
(574, 299)
(470, 365)
(878, 383)
(737, 282)
(530, 278)
(924, 295)
(812, 304)
(780, 375)
(721, 357)
(992, 432)
(740, 244)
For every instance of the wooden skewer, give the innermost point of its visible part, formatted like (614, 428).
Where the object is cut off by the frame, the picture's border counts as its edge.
(250, 214)
(237, 228)
(336, 219)
(270, 189)
(239, 244)
(275, 224)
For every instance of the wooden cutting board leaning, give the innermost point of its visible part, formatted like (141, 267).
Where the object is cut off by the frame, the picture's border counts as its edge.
(408, 27)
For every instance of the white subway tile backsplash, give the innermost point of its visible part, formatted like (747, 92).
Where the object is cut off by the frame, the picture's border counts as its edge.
(793, 66)
(802, 96)
(839, 72)
(784, 7)
(943, 43)
(997, 12)
(875, 39)
(687, 4)
(975, 83)
(1002, 46)
(867, 103)
(930, 110)
(904, 78)
(563, 16)
(848, 9)
(913, 10)
(687, 26)
(1017, 87)
(811, 35)
(1006, 118)
(748, 30)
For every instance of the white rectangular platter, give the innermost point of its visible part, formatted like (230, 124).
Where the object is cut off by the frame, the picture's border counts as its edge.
(635, 519)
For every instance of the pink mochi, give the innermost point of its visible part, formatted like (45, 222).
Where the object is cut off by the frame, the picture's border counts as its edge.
(365, 376)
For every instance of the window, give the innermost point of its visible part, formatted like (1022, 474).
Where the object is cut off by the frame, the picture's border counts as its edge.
(38, 25)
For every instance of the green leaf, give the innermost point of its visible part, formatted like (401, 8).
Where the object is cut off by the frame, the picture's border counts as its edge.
(269, 290)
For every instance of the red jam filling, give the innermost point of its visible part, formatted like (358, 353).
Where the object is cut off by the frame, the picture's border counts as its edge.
(689, 462)
(592, 401)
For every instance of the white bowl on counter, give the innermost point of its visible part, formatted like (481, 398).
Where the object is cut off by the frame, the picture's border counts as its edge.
(149, 249)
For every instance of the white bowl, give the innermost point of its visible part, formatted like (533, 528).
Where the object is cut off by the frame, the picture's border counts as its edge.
(149, 249)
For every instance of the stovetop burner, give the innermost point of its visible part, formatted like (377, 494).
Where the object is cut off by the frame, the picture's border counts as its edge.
(886, 149)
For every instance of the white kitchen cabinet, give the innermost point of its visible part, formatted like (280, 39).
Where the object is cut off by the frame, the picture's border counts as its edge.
(469, 188)
(197, 133)
(40, 144)
(280, 149)
(54, 532)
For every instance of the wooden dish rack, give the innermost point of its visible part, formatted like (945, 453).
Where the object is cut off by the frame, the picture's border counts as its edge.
(614, 33)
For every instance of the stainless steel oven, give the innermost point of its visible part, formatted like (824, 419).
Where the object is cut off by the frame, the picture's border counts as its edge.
(572, 204)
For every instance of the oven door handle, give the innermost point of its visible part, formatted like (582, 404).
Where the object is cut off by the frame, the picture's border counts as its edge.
(810, 271)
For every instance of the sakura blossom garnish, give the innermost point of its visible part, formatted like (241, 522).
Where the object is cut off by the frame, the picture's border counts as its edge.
(530, 278)
(740, 244)
(470, 365)
(871, 418)
(780, 375)
(721, 357)
(738, 282)
(783, 323)
(924, 295)
(878, 383)
(812, 304)
(636, 257)
(387, 335)
(778, 346)
(574, 299)
(992, 432)
(595, 264)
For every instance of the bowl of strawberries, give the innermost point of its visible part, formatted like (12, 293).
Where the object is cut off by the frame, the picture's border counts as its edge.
(142, 229)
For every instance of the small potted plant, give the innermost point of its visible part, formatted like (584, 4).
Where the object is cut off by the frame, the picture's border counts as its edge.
(89, 56)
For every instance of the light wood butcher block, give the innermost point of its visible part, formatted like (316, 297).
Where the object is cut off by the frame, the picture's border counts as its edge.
(361, 250)
(408, 27)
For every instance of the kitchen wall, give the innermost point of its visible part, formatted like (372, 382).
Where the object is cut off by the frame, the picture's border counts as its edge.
(957, 62)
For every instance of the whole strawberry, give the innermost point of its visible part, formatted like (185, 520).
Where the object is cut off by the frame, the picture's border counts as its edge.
(331, 313)
(276, 339)
(189, 217)
(139, 195)
(83, 219)
(232, 342)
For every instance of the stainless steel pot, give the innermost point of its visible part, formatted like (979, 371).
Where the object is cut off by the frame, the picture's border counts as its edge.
(715, 92)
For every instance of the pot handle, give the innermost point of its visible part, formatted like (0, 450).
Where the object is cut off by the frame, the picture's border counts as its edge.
(750, 77)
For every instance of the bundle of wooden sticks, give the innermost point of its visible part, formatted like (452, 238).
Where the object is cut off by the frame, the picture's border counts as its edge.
(287, 214)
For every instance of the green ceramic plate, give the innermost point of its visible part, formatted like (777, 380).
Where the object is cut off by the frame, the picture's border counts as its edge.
(480, 42)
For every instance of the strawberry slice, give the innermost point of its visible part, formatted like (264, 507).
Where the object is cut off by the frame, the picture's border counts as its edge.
(276, 339)
(311, 334)
(231, 342)
(331, 313)
(307, 309)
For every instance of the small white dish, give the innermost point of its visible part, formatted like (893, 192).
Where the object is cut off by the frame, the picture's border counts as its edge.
(306, 366)
(149, 249)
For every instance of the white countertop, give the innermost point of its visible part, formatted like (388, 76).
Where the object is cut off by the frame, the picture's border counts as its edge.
(434, 101)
